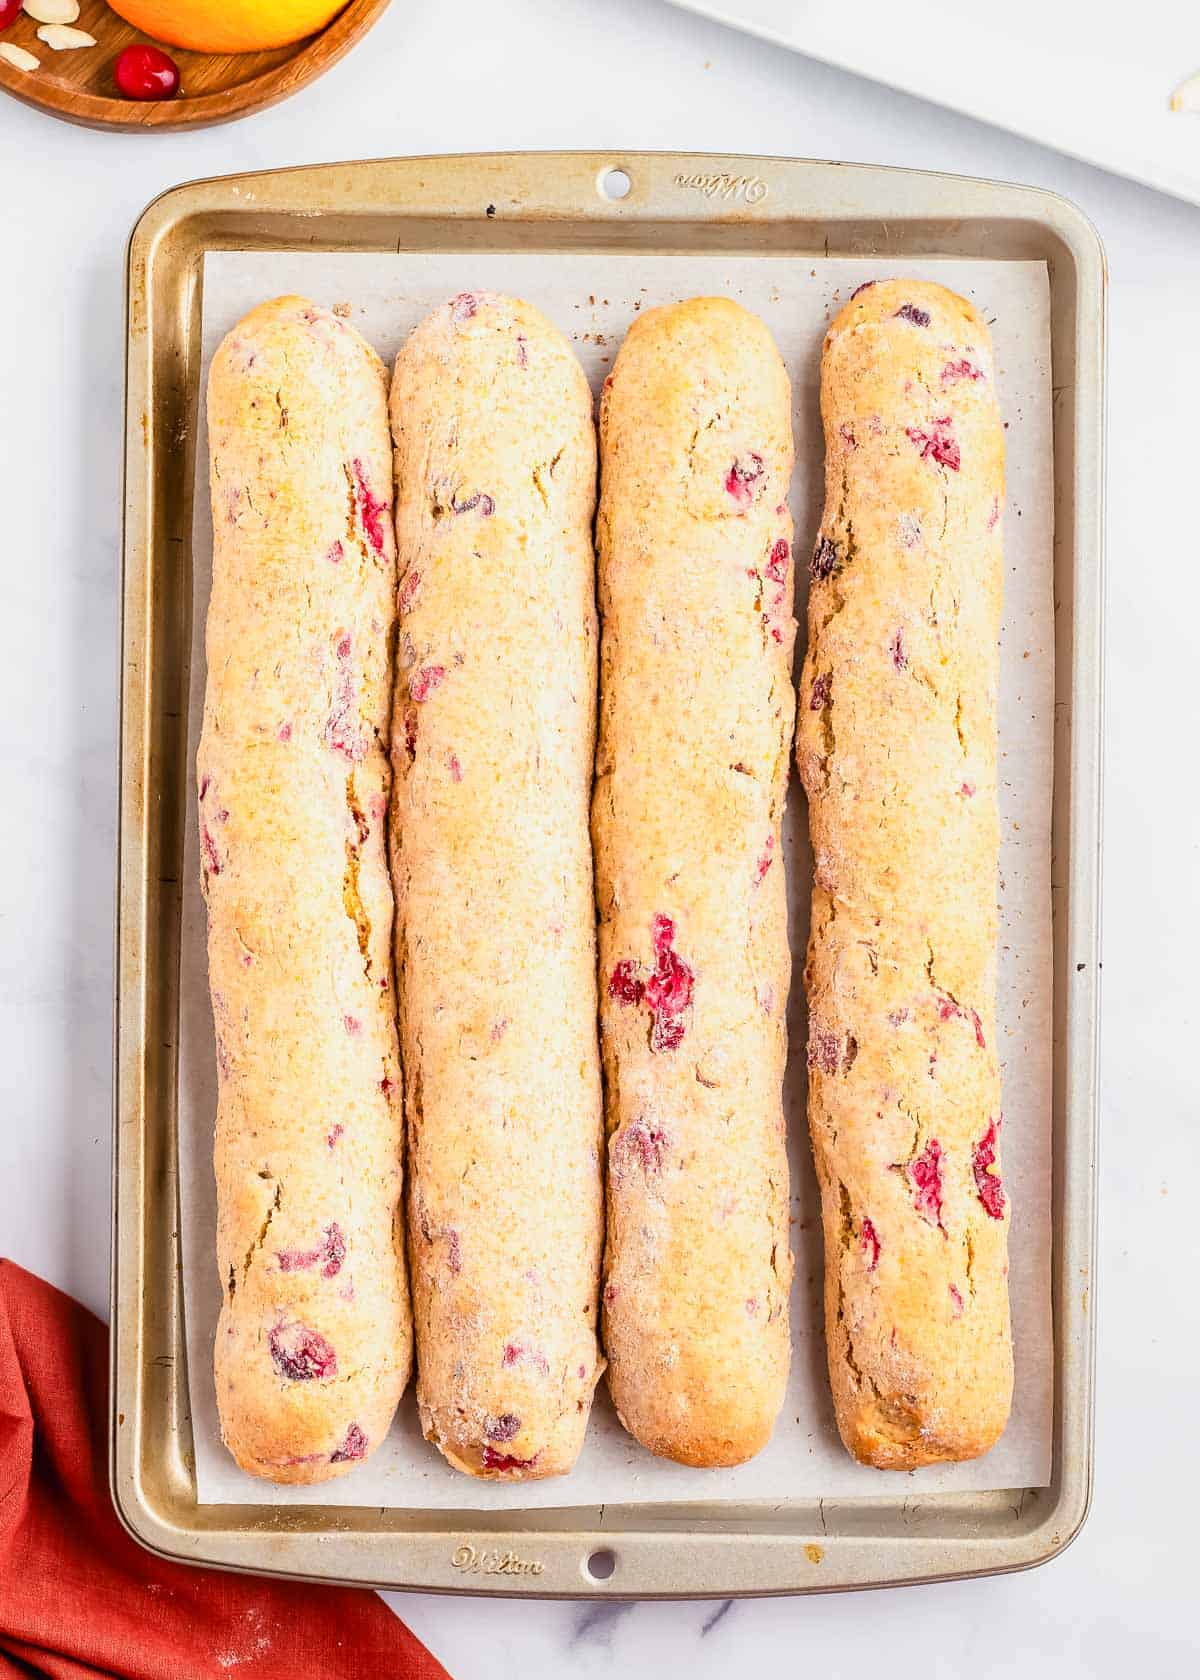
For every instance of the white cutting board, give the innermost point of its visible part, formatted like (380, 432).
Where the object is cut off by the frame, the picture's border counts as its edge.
(1089, 77)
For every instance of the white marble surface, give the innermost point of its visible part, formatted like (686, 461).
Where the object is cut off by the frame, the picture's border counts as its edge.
(590, 73)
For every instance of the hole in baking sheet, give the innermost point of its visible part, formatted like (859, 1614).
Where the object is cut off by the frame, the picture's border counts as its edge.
(614, 183)
(601, 1565)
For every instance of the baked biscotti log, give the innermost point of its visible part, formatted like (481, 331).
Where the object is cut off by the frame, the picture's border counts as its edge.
(493, 742)
(696, 714)
(897, 746)
(313, 1342)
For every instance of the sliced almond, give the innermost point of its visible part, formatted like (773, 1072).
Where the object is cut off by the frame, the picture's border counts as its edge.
(61, 37)
(52, 11)
(17, 57)
(1187, 95)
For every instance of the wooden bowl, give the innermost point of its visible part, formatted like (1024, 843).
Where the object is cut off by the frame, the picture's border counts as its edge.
(216, 87)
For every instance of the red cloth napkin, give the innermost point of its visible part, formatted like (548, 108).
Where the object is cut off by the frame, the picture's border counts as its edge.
(79, 1597)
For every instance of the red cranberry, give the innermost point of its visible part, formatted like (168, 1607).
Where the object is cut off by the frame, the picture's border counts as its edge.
(332, 1251)
(667, 992)
(144, 72)
(9, 12)
(926, 1174)
(212, 857)
(987, 1182)
(778, 563)
(624, 984)
(828, 1053)
(515, 1352)
(869, 1242)
(910, 312)
(493, 1460)
(301, 1354)
(939, 443)
(742, 477)
(949, 1010)
(642, 1144)
(423, 682)
(354, 1446)
(370, 508)
(669, 988)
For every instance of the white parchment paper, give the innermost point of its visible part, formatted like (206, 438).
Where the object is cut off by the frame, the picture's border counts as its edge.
(593, 298)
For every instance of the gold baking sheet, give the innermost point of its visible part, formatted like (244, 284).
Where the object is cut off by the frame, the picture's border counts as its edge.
(719, 207)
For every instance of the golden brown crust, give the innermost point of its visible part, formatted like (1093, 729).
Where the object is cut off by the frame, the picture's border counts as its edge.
(493, 744)
(313, 1341)
(696, 717)
(897, 749)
